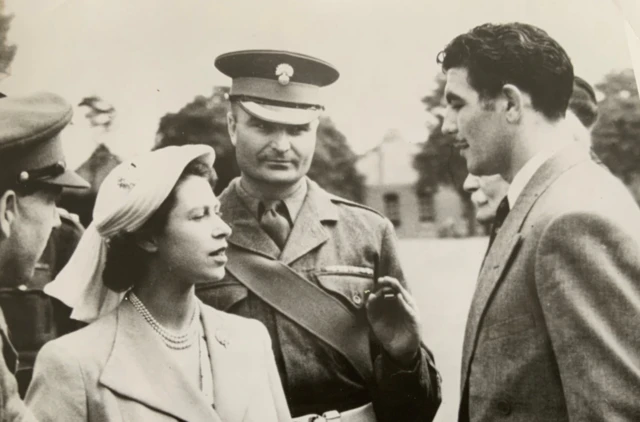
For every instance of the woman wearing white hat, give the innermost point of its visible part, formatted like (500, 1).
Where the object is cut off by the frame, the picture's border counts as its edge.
(154, 352)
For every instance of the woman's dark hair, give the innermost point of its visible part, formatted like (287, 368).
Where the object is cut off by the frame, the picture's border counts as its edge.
(126, 261)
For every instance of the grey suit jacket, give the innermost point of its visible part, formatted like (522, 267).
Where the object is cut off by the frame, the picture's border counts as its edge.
(118, 369)
(553, 333)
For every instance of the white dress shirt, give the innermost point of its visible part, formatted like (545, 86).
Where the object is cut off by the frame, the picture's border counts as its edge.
(527, 171)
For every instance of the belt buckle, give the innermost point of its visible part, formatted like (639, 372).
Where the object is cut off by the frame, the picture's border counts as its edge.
(331, 415)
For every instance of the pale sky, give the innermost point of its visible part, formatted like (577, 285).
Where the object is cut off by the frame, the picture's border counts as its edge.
(150, 57)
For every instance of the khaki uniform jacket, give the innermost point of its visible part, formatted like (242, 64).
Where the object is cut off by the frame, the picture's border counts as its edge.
(554, 328)
(118, 369)
(334, 243)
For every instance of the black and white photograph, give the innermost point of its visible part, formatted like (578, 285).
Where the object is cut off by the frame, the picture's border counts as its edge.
(319, 210)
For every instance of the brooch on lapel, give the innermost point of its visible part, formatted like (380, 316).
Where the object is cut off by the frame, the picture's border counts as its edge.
(222, 337)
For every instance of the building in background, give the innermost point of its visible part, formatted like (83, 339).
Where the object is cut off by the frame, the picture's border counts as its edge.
(390, 180)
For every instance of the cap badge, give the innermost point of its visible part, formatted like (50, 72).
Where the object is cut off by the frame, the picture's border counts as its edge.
(284, 72)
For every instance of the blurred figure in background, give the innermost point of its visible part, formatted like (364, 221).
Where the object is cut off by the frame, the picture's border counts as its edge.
(32, 175)
(487, 191)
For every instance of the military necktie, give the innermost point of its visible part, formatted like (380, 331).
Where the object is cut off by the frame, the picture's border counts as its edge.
(501, 215)
(273, 220)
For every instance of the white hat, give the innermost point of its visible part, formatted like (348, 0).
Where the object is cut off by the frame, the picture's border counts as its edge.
(127, 198)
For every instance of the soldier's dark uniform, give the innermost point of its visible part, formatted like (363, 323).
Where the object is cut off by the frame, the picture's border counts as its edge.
(338, 245)
(33, 317)
(30, 156)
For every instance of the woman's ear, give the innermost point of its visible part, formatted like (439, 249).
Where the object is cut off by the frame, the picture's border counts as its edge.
(515, 103)
(146, 241)
(8, 212)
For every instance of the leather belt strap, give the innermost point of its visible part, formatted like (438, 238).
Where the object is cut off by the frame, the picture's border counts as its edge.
(360, 414)
(306, 304)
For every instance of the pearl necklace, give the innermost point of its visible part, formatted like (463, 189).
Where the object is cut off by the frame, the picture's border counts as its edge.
(172, 340)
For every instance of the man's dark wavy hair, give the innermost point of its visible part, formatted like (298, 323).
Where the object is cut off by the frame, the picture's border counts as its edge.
(518, 54)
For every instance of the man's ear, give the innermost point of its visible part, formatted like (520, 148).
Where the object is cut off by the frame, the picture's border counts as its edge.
(8, 212)
(515, 102)
(232, 127)
(146, 241)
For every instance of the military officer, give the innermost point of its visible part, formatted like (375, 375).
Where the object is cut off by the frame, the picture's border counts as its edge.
(33, 317)
(321, 272)
(32, 175)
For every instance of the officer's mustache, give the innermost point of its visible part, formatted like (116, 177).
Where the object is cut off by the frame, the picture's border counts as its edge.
(274, 156)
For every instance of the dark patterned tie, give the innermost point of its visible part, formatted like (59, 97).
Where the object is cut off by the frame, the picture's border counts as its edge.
(274, 221)
(501, 215)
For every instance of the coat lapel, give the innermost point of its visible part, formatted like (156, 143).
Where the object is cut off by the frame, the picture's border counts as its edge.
(246, 231)
(142, 369)
(308, 231)
(231, 365)
(507, 243)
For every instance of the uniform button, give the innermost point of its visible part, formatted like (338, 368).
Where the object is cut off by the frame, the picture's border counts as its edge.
(22, 287)
(357, 299)
(503, 407)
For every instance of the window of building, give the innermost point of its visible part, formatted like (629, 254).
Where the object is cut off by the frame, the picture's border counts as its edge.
(392, 208)
(426, 208)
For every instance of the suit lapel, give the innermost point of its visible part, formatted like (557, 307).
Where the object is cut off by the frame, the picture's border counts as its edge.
(142, 369)
(507, 243)
(308, 231)
(231, 365)
(246, 231)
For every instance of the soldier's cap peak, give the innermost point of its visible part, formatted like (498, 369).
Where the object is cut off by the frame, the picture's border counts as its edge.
(30, 146)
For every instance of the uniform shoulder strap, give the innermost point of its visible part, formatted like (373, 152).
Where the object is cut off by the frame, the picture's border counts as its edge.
(306, 304)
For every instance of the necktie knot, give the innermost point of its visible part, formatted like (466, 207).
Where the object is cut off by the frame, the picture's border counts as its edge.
(501, 214)
(274, 221)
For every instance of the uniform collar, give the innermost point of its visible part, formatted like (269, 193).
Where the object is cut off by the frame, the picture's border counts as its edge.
(307, 233)
(293, 201)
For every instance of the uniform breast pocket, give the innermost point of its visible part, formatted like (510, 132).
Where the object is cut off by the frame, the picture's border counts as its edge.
(349, 288)
(223, 294)
(512, 326)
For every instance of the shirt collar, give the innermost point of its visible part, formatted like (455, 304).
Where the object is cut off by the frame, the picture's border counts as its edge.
(293, 202)
(526, 173)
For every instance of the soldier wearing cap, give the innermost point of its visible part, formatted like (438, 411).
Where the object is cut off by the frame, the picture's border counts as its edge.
(32, 175)
(322, 273)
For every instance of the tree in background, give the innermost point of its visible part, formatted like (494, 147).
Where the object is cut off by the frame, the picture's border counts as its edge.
(100, 115)
(333, 166)
(204, 121)
(439, 163)
(616, 137)
(7, 51)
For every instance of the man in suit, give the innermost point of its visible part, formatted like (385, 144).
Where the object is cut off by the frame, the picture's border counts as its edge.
(32, 175)
(327, 282)
(553, 333)
(487, 191)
